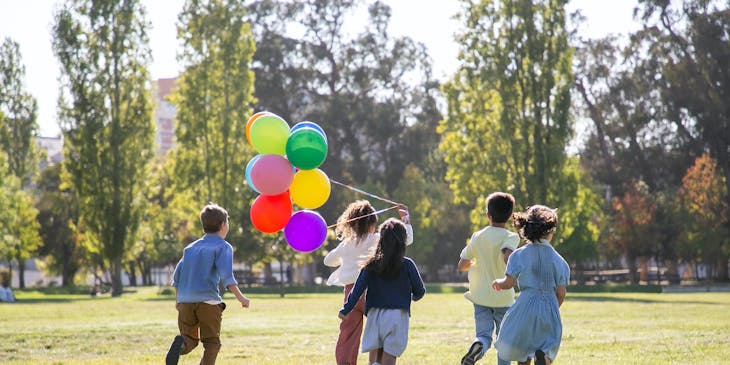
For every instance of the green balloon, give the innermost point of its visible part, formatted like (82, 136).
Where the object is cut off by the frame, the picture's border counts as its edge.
(269, 134)
(306, 148)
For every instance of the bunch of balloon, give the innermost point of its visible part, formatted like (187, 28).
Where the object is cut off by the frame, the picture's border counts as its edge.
(286, 173)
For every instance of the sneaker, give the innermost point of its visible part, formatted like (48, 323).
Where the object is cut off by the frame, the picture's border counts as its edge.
(472, 355)
(540, 358)
(173, 354)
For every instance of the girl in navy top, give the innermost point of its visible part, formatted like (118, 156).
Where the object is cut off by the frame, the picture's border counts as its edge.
(392, 281)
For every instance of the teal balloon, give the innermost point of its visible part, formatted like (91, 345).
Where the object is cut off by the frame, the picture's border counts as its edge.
(306, 148)
(269, 134)
(249, 167)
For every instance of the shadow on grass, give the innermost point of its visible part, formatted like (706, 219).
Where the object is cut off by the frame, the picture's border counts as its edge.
(610, 298)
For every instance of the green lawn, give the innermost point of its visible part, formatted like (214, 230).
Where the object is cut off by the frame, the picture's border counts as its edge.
(610, 328)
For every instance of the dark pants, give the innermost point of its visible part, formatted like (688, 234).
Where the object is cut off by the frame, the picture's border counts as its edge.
(201, 322)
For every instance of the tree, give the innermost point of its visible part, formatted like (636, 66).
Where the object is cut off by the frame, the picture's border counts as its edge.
(18, 127)
(508, 120)
(689, 43)
(170, 220)
(705, 238)
(106, 118)
(632, 231)
(58, 216)
(213, 98)
(372, 92)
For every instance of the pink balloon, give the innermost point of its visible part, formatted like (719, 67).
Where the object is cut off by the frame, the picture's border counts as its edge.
(272, 174)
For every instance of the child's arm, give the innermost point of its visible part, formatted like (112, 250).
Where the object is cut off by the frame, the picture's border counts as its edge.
(507, 282)
(354, 296)
(241, 298)
(506, 252)
(561, 292)
(418, 288)
(334, 257)
(464, 264)
(405, 217)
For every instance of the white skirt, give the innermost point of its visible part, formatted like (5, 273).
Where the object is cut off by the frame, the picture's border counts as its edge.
(386, 329)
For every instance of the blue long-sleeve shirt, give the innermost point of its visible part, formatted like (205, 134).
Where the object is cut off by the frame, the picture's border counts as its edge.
(204, 264)
(390, 293)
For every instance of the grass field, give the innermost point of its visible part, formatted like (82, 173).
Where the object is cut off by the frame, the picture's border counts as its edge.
(599, 328)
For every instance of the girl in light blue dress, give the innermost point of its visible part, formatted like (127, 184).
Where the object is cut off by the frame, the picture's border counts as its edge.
(532, 327)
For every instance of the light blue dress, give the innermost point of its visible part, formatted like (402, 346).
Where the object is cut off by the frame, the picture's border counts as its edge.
(533, 322)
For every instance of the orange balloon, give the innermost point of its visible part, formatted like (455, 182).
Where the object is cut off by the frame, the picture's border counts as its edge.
(250, 122)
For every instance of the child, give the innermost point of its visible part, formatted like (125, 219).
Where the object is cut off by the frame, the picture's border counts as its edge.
(391, 280)
(532, 327)
(355, 227)
(6, 293)
(204, 264)
(485, 257)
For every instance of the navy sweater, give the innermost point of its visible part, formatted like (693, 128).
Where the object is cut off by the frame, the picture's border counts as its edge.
(390, 293)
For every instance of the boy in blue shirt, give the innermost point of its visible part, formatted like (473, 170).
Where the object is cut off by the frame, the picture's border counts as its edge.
(485, 258)
(204, 264)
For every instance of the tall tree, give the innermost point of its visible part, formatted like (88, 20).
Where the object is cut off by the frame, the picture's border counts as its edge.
(106, 117)
(19, 126)
(508, 119)
(18, 129)
(689, 41)
(213, 98)
(509, 101)
(372, 92)
(58, 216)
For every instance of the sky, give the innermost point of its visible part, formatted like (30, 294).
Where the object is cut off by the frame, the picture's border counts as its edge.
(431, 22)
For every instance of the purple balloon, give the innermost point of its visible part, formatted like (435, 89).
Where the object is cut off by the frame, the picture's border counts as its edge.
(306, 231)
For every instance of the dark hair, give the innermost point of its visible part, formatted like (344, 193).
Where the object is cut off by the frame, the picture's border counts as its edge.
(500, 206)
(388, 257)
(536, 222)
(212, 218)
(348, 224)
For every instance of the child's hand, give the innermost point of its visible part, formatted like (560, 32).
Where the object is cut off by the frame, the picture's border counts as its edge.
(496, 286)
(340, 316)
(403, 213)
(244, 301)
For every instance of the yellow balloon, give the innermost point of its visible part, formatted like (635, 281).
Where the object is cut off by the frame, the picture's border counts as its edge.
(310, 188)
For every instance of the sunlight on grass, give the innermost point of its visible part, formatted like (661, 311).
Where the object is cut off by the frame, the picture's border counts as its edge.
(599, 328)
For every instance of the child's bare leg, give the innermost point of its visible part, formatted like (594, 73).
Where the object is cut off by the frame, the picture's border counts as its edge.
(528, 362)
(375, 355)
(388, 359)
(548, 361)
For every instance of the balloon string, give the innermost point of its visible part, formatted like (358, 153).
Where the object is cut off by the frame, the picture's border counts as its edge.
(365, 193)
(362, 216)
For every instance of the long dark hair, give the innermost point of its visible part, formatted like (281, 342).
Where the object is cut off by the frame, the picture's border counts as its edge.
(391, 249)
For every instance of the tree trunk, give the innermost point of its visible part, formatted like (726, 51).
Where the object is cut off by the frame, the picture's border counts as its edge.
(721, 270)
(643, 269)
(672, 273)
(116, 273)
(132, 274)
(633, 277)
(21, 274)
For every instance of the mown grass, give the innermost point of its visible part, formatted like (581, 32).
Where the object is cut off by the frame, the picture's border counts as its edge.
(599, 328)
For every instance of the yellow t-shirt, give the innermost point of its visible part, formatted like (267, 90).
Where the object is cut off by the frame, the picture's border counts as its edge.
(485, 248)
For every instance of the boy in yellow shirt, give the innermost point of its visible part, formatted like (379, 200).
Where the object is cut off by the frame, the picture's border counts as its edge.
(485, 258)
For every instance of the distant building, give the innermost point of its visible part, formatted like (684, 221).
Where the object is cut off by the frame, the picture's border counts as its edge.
(164, 116)
(164, 137)
(53, 146)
